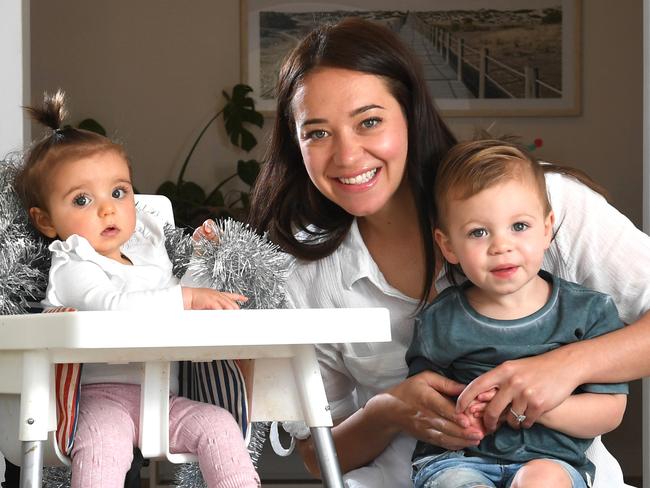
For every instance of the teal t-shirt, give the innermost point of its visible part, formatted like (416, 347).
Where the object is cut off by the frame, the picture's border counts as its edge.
(452, 339)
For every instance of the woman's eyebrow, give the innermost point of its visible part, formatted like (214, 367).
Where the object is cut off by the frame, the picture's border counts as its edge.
(313, 121)
(354, 112)
(365, 108)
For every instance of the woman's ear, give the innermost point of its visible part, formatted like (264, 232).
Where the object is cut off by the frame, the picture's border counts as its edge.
(42, 221)
(445, 246)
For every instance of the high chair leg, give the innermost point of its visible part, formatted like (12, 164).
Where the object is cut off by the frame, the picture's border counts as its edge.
(317, 412)
(327, 458)
(153, 473)
(31, 471)
(34, 416)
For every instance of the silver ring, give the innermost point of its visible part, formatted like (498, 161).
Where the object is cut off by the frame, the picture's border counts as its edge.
(518, 417)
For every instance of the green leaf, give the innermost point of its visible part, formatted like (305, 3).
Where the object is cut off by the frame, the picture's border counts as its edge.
(245, 200)
(93, 126)
(240, 110)
(191, 192)
(168, 188)
(248, 171)
(215, 199)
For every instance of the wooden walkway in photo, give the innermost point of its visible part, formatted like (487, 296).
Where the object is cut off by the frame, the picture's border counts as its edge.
(441, 79)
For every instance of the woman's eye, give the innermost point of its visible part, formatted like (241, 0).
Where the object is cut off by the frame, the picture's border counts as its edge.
(81, 200)
(478, 233)
(316, 134)
(118, 193)
(519, 226)
(371, 122)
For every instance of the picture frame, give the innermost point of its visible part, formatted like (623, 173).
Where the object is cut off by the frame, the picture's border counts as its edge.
(480, 57)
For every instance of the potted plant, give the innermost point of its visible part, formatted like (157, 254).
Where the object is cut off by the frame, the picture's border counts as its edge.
(192, 205)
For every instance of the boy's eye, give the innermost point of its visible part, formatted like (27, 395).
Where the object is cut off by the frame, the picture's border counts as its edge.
(519, 226)
(478, 233)
(81, 200)
(118, 193)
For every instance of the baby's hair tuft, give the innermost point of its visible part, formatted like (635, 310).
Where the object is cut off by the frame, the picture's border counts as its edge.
(52, 112)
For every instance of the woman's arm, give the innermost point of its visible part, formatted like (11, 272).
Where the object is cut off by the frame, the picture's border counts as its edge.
(586, 415)
(538, 384)
(419, 406)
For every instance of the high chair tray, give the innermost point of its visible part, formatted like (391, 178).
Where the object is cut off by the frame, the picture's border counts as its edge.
(281, 339)
(191, 328)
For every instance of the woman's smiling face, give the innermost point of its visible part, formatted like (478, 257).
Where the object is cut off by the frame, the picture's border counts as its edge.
(353, 137)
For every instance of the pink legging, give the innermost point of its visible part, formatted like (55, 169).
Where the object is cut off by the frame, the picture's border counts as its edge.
(109, 419)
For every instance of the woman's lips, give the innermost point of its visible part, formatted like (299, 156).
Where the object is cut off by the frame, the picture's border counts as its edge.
(360, 179)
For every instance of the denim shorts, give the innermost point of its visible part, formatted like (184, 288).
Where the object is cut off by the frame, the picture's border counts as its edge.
(453, 470)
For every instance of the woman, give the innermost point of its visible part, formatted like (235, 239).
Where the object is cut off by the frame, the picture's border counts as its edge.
(346, 188)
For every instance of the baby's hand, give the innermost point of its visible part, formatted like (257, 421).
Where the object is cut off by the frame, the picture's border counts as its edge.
(208, 230)
(477, 406)
(209, 299)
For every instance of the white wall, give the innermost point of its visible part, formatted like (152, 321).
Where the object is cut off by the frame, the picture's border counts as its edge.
(14, 86)
(14, 89)
(152, 72)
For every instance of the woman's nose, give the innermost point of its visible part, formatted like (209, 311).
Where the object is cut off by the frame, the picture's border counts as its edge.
(348, 149)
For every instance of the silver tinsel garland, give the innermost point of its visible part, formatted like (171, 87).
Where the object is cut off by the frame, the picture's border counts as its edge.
(24, 260)
(238, 261)
(241, 261)
(56, 477)
(179, 249)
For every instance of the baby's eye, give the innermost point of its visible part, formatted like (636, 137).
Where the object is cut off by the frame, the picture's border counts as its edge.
(371, 122)
(477, 233)
(520, 226)
(119, 193)
(81, 200)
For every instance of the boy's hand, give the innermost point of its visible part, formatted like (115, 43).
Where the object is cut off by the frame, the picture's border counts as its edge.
(478, 405)
(209, 299)
(208, 229)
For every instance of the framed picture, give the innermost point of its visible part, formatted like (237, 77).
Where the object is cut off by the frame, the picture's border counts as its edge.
(480, 57)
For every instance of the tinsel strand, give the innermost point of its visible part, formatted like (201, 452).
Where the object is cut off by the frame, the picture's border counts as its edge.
(241, 261)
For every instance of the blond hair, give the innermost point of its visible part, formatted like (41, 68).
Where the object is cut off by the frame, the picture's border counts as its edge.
(471, 167)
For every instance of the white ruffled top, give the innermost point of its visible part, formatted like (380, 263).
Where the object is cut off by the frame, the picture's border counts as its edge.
(82, 278)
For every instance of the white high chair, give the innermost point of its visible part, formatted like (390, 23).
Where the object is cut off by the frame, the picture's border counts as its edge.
(287, 383)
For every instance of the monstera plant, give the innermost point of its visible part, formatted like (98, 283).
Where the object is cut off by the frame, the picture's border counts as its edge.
(192, 205)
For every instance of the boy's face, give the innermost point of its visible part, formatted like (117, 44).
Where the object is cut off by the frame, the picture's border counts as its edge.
(498, 236)
(93, 198)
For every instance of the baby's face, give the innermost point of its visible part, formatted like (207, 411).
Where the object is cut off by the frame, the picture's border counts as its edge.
(93, 198)
(498, 236)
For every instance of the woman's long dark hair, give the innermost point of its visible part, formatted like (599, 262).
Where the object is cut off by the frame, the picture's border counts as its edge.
(285, 200)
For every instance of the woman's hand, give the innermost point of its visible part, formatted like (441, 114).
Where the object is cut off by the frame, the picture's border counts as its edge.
(420, 407)
(208, 230)
(529, 386)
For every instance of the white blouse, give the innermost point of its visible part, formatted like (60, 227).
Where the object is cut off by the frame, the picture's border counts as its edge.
(595, 245)
(84, 279)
